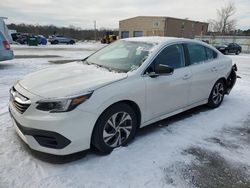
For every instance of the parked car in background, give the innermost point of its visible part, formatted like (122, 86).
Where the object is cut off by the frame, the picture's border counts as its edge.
(22, 38)
(58, 39)
(229, 48)
(5, 52)
(15, 36)
(41, 40)
(129, 84)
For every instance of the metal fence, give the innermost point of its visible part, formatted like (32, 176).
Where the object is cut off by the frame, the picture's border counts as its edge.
(244, 41)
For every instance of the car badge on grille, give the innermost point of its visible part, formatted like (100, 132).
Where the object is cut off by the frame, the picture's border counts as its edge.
(15, 96)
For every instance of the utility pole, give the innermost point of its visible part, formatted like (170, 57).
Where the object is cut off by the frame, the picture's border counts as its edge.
(95, 28)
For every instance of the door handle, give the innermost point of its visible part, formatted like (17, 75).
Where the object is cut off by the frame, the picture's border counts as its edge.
(214, 69)
(186, 76)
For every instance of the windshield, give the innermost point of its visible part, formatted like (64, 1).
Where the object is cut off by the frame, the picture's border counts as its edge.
(121, 56)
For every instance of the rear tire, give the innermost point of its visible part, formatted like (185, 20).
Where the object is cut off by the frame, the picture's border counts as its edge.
(237, 52)
(217, 94)
(115, 127)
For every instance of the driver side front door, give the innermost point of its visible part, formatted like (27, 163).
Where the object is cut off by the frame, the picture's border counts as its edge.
(167, 93)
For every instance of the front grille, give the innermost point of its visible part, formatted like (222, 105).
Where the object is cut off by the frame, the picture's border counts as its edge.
(21, 108)
(20, 102)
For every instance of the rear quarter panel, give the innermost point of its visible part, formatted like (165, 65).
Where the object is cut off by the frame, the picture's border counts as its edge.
(224, 66)
(1, 41)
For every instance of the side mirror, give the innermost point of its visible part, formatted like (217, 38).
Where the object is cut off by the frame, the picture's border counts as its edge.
(163, 69)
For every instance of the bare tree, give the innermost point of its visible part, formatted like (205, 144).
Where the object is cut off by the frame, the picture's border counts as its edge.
(224, 23)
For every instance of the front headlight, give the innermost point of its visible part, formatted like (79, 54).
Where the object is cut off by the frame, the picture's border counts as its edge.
(62, 104)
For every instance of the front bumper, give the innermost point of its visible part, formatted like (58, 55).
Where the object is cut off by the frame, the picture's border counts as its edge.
(47, 139)
(54, 133)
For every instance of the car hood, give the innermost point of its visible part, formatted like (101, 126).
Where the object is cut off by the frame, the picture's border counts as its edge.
(69, 79)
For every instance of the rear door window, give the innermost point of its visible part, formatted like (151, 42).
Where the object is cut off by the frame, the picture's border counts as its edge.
(197, 53)
(211, 54)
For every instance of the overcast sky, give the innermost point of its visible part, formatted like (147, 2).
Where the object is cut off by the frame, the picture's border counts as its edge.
(107, 13)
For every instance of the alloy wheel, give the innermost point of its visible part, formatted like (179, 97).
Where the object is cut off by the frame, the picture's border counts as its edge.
(117, 129)
(218, 93)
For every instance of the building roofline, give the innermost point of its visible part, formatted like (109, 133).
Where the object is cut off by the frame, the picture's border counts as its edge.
(165, 17)
(186, 20)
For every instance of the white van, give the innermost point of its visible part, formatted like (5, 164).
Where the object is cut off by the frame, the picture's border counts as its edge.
(4, 29)
(6, 53)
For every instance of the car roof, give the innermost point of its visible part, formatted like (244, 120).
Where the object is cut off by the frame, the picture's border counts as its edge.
(160, 40)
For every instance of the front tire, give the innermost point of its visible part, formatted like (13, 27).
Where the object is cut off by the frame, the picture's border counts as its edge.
(217, 94)
(115, 127)
(55, 42)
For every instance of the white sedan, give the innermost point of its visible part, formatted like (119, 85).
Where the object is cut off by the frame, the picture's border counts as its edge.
(104, 99)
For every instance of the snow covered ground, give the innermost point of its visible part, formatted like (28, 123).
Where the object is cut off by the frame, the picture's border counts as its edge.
(198, 148)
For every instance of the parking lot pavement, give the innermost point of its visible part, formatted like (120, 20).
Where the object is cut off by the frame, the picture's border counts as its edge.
(198, 148)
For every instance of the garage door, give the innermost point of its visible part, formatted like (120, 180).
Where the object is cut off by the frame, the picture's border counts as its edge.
(137, 33)
(124, 34)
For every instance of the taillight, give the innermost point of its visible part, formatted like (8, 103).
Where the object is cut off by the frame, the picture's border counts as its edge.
(6, 45)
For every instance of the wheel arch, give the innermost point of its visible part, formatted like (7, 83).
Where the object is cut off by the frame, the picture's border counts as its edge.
(210, 102)
(224, 80)
(131, 103)
(136, 108)
(220, 78)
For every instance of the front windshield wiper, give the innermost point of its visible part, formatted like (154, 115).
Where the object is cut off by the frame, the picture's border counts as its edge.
(102, 66)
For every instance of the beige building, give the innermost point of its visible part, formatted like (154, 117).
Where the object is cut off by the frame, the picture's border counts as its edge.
(161, 26)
